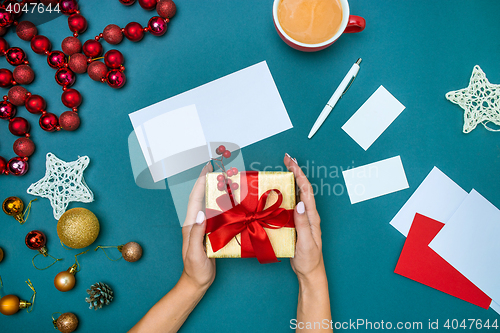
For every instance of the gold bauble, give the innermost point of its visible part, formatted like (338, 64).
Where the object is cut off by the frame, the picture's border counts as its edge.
(67, 322)
(64, 281)
(78, 228)
(9, 304)
(1, 254)
(131, 251)
(13, 206)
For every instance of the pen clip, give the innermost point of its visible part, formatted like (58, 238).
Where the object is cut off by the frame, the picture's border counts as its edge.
(352, 80)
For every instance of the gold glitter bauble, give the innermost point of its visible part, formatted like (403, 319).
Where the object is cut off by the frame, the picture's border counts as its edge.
(67, 322)
(131, 251)
(78, 228)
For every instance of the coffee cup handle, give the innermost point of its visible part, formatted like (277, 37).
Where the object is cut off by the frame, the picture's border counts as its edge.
(355, 24)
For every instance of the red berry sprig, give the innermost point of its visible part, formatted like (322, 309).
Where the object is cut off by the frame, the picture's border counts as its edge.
(223, 181)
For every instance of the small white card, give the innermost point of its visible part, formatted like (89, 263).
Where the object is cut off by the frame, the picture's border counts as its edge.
(469, 241)
(375, 179)
(437, 197)
(373, 117)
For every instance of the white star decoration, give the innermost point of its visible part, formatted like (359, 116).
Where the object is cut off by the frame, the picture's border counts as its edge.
(480, 101)
(63, 183)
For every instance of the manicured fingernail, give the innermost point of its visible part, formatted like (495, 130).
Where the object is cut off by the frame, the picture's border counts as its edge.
(200, 217)
(301, 208)
(295, 160)
(290, 157)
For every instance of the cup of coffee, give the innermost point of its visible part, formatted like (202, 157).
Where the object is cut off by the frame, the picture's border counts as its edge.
(313, 25)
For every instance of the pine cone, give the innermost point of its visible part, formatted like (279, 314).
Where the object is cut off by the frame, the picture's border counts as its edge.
(100, 294)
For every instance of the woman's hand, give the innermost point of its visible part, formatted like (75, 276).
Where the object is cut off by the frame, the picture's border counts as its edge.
(198, 269)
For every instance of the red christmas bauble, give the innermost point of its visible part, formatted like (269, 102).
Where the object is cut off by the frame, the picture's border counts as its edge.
(68, 7)
(114, 59)
(6, 78)
(134, 31)
(157, 26)
(148, 4)
(97, 70)
(127, 2)
(19, 126)
(35, 104)
(4, 46)
(56, 59)
(3, 31)
(92, 48)
(3, 165)
(71, 98)
(15, 56)
(40, 44)
(112, 34)
(71, 45)
(77, 23)
(69, 121)
(17, 166)
(23, 74)
(65, 77)
(6, 18)
(26, 30)
(49, 122)
(35, 239)
(24, 147)
(7, 110)
(78, 63)
(115, 79)
(17, 95)
(166, 8)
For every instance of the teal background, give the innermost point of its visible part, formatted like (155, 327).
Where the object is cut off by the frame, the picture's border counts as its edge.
(419, 50)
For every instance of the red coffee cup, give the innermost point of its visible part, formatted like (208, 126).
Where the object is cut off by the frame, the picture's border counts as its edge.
(349, 24)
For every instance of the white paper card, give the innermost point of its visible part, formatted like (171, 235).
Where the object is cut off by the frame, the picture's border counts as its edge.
(375, 179)
(181, 132)
(437, 197)
(373, 117)
(495, 306)
(469, 241)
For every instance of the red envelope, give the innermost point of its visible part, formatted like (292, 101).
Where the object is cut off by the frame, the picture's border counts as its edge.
(420, 263)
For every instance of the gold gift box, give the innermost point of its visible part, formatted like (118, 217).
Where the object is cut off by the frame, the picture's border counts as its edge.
(283, 239)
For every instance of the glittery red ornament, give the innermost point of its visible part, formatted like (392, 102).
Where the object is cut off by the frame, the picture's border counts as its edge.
(115, 79)
(17, 95)
(23, 74)
(35, 240)
(6, 78)
(48, 122)
(112, 34)
(26, 30)
(71, 98)
(65, 77)
(40, 44)
(69, 121)
(134, 31)
(7, 110)
(56, 59)
(157, 26)
(68, 7)
(166, 8)
(17, 166)
(114, 59)
(148, 4)
(3, 165)
(71, 45)
(78, 63)
(3, 31)
(24, 147)
(35, 104)
(127, 2)
(4, 46)
(6, 18)
(92, 48)
(19, 126)
(15, 56)
(77, 23)
(97, 70)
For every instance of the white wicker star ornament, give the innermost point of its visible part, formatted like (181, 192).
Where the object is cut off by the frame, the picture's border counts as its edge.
(63, 183)
(480, 101)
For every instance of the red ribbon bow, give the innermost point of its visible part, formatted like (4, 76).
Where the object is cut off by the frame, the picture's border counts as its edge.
(248, 218)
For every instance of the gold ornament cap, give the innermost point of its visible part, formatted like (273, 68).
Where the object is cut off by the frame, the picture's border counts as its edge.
(78, 228)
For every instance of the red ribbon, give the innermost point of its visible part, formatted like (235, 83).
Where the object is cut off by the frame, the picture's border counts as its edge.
(248, 218)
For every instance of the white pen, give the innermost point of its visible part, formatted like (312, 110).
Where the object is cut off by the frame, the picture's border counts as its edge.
(341, 90)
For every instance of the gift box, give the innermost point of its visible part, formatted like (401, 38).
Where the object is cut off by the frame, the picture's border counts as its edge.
(254, 220)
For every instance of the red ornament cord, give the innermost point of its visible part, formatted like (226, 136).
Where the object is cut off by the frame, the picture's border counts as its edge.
(74, 58)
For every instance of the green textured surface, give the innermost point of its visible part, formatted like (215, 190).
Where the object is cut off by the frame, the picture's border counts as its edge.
(418, 50)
